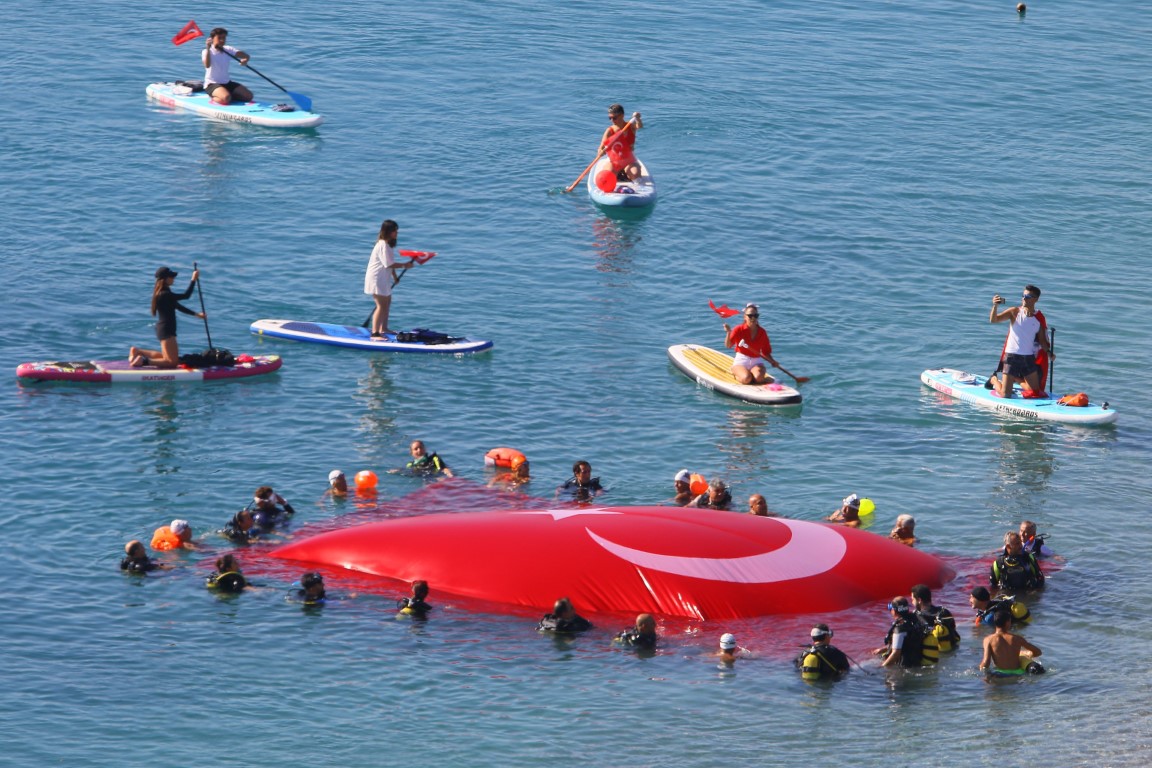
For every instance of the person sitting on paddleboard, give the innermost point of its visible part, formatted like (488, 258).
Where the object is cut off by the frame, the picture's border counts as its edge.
(752, 348)
(1025, 336)
(581, 486)
(218, 84)
(619, 142)
(381, 275)
(164, 306)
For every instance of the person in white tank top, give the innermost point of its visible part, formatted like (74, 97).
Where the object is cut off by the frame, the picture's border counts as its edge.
(1025, 336)
(217, 56)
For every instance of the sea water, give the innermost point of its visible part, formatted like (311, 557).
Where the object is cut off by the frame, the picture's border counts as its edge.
(870, 173)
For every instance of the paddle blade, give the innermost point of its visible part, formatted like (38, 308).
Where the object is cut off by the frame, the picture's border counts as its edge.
(723, 310)
(420, 257)
(301, 100)
(189, 32)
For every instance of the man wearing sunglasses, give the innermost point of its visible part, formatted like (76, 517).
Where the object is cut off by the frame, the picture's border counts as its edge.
(1026, 335)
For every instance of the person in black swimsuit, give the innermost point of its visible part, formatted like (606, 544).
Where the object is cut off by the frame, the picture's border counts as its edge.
(164, 306)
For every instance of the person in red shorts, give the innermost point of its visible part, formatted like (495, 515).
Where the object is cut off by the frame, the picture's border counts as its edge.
(752, 348)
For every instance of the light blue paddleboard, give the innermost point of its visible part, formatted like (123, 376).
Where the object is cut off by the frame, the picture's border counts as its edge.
(627, 194)
(286, 115)
(357, 337)
(970, 388)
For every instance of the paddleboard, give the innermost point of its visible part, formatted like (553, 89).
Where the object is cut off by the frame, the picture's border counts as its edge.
(712, 369)
(357, 337)
(970, 388)
(285, 115)
(120, 372)
(627, 194)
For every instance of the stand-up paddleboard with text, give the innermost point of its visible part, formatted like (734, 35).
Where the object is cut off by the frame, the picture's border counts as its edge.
(259, 113)
(970, 388)
(357, 337)
(120, 372)
(712, 369)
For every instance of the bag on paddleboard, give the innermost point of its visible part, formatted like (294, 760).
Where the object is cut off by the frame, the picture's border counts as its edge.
(1078, 400)
(196, 86)
(424, 336)
(209, 358)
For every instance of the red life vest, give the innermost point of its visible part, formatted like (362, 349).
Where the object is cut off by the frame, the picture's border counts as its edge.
(619, 147)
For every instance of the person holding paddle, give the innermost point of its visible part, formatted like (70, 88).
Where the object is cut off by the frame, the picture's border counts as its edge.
(217, 57)
(164, 306)
(752, 349)
(618, 141)
(381, 275)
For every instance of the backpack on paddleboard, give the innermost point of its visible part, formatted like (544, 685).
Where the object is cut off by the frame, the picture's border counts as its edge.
(1078, 400)
(209, 358)
(424, 336)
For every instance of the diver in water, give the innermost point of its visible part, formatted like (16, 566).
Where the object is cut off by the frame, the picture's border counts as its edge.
(822, 660)
(716, 497)
(563, 619)
(241, 529)
(313, 589)
(415, 606)
(136, 559)
(227, 577)
(581, 486)
(642, 635)
(1014, 568)
(986, 607)
(269, 508)
(424, 463)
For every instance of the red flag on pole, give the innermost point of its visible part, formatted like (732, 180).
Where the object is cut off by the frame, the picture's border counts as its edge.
(189, 32)
(723, 310)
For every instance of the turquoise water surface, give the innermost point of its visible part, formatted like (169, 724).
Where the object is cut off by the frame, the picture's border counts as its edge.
(870, 172)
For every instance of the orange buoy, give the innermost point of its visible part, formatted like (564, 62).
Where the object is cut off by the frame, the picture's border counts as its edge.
(509, 458)
(606, 181)
(366, 480)
(698, 484)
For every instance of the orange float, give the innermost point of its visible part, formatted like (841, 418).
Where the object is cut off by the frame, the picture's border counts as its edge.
(508, 458)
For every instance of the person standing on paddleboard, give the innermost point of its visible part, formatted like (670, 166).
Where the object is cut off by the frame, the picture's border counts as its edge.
(381, 275)
(618, 141)
(164, 306)
(218, 84)
(1025, 336)
(752, 348)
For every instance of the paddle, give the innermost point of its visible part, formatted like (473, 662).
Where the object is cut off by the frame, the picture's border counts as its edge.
(599, 154)
(1051, 357)
(203, 311)
(301, 100)
(726, 311)
(420, 257)
(191, 32)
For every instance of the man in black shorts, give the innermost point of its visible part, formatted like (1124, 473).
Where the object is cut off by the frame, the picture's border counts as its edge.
(218, 84)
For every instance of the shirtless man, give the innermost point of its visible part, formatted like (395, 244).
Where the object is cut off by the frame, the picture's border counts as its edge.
(1002, 649)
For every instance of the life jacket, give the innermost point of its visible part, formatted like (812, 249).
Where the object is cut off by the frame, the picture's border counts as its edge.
(1017, 572)
(1019, 611)
(164, 540)
(943, 626)
(410, 606)
(619, 147)
(920, 648)
(822, 661)
(229, 581)
(428, 464)
(704, 502)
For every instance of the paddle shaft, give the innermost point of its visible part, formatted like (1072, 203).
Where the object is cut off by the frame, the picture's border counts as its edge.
(599, 154)
(302, 101)
(1051, 357)
(395, 281)
(200, 293)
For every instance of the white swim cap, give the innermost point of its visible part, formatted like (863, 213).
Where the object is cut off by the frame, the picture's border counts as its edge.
(682, 476)
(728, 641)
(334, 475)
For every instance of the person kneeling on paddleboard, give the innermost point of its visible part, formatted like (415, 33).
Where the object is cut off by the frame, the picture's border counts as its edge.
(1025, 337)
(217, 57)
(164, 306)
(618, 141)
